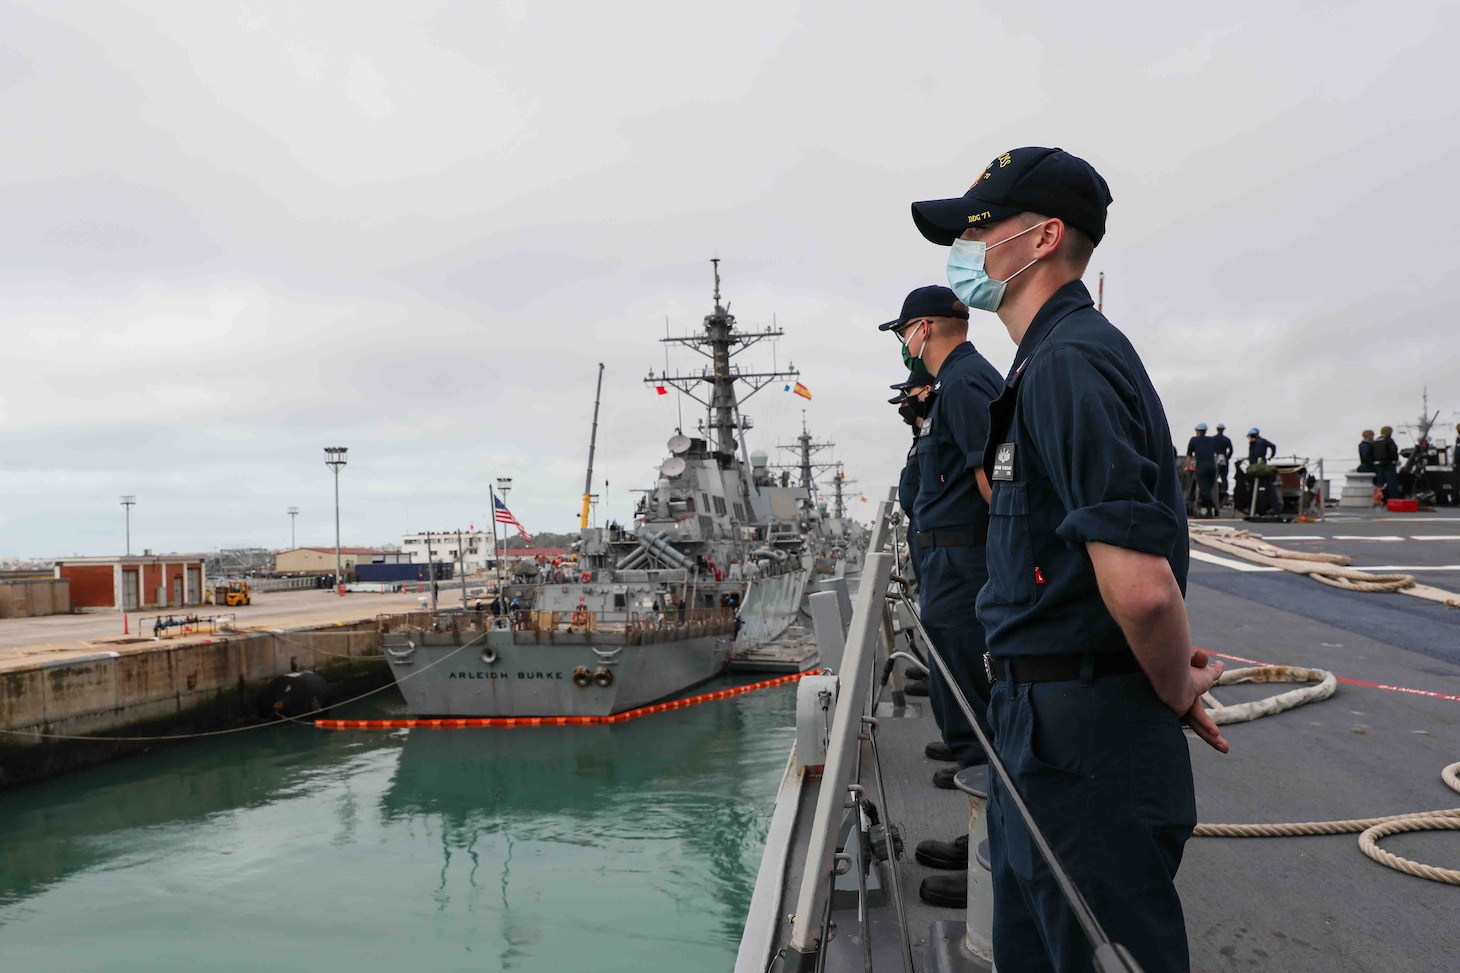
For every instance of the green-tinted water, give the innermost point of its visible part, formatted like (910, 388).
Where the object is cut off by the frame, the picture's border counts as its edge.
(631, 847)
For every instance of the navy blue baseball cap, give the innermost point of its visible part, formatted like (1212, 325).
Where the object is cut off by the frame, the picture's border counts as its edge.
(1033, 179)
(933, 301)
(916, 378)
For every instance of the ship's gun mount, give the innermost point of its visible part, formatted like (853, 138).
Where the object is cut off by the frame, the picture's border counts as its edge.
(652, 545)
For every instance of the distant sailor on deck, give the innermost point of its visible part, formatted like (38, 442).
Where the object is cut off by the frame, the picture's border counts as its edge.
(1366, 452)
(1386, 462)
(1087, 558)
(952, 524)
(1201, 455)
(1224, 461)
(1259, 450)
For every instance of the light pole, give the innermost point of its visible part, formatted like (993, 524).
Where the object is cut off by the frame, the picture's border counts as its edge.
(128, 501)
(334, 458)
(293, 519)
(504, 483)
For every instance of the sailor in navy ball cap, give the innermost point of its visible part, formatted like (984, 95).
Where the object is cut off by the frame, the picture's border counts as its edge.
(950, 520)
(914, 396)
(1084, 611)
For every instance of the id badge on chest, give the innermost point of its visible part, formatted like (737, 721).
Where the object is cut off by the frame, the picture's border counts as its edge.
(927, 427)
(1004, 462)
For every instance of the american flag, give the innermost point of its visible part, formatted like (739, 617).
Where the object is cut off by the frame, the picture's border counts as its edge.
(504, 516)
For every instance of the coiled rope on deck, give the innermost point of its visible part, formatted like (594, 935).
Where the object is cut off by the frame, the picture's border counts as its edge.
(1325, 684)
(1329, 569)
(1369, 830)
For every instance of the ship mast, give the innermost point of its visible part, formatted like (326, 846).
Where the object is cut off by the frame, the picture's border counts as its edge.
(804, 449)
(721, 341)
(840, 481)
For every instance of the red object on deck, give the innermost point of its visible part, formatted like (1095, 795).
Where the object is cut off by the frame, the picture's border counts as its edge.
(1403, 506)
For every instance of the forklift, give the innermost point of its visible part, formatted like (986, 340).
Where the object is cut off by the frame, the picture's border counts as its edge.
(234, 594)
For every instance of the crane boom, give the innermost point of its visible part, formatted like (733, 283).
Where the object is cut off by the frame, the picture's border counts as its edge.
(592, 446)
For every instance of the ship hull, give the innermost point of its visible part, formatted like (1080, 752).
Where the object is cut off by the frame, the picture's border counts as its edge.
(504, 677)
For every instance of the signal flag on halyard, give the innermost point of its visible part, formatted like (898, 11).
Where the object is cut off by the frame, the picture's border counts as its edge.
(801, 390)
(504, 516)
(661, 390)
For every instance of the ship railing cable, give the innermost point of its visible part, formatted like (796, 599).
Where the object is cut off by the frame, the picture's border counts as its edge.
(301, 718)
(1110, 957)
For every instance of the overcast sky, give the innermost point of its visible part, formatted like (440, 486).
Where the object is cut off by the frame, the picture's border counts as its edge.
(233, 234)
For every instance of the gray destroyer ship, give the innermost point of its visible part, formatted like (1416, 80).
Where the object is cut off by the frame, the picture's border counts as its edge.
(715, 563)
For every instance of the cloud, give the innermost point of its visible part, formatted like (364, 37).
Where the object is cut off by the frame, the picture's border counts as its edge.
(231, 237)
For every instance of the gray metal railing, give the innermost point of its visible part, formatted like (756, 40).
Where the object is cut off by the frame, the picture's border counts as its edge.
(843, 746)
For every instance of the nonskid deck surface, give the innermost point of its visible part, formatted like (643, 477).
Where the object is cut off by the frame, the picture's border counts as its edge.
(1291, 904)
(1317, 903)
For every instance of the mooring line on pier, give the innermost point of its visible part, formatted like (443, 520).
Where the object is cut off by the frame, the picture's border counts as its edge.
(507, 722)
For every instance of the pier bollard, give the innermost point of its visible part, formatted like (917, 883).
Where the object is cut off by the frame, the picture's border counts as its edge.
(978, 936)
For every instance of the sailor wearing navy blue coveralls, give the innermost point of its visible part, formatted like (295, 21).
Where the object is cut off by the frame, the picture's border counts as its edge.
(1084, 610)
(1224, 460)
(952, 523)
(912, 401)
(1201, 452)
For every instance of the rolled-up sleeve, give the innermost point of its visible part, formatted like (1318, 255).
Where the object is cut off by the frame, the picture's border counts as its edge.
(1083, 412)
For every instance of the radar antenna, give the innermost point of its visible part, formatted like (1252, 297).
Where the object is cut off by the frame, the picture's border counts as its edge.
(721, 341)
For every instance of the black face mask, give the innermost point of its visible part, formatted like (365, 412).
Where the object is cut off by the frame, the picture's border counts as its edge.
(912, 410)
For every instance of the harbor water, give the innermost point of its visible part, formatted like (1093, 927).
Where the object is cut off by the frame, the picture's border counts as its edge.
(288, 848)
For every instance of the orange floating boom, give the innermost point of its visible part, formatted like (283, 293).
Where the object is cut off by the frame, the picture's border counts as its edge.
(508, 722)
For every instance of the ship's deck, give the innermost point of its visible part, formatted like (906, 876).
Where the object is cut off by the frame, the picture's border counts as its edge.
(1291, 904)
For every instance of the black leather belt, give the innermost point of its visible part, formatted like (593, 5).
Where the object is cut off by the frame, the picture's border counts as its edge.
(1059, 668)
(977, 537)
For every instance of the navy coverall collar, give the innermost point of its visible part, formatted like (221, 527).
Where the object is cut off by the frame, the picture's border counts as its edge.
(959, 351)
(1066, 300)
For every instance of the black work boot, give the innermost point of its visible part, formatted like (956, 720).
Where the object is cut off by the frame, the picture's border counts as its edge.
(949, 855)
(943, 779)
(949, 891)
(915, 687)
(938, 750)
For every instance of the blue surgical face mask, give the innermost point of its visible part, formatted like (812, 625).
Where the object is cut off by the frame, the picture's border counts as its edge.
(968, 278)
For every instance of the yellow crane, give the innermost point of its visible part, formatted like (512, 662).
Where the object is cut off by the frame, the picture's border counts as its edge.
(592, 445)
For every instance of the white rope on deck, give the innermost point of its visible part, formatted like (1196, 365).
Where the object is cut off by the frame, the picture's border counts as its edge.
(1369, 830)
(1323, 685)
(1329, 569)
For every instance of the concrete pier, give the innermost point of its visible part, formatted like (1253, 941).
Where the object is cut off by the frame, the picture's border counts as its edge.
(149, 688)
